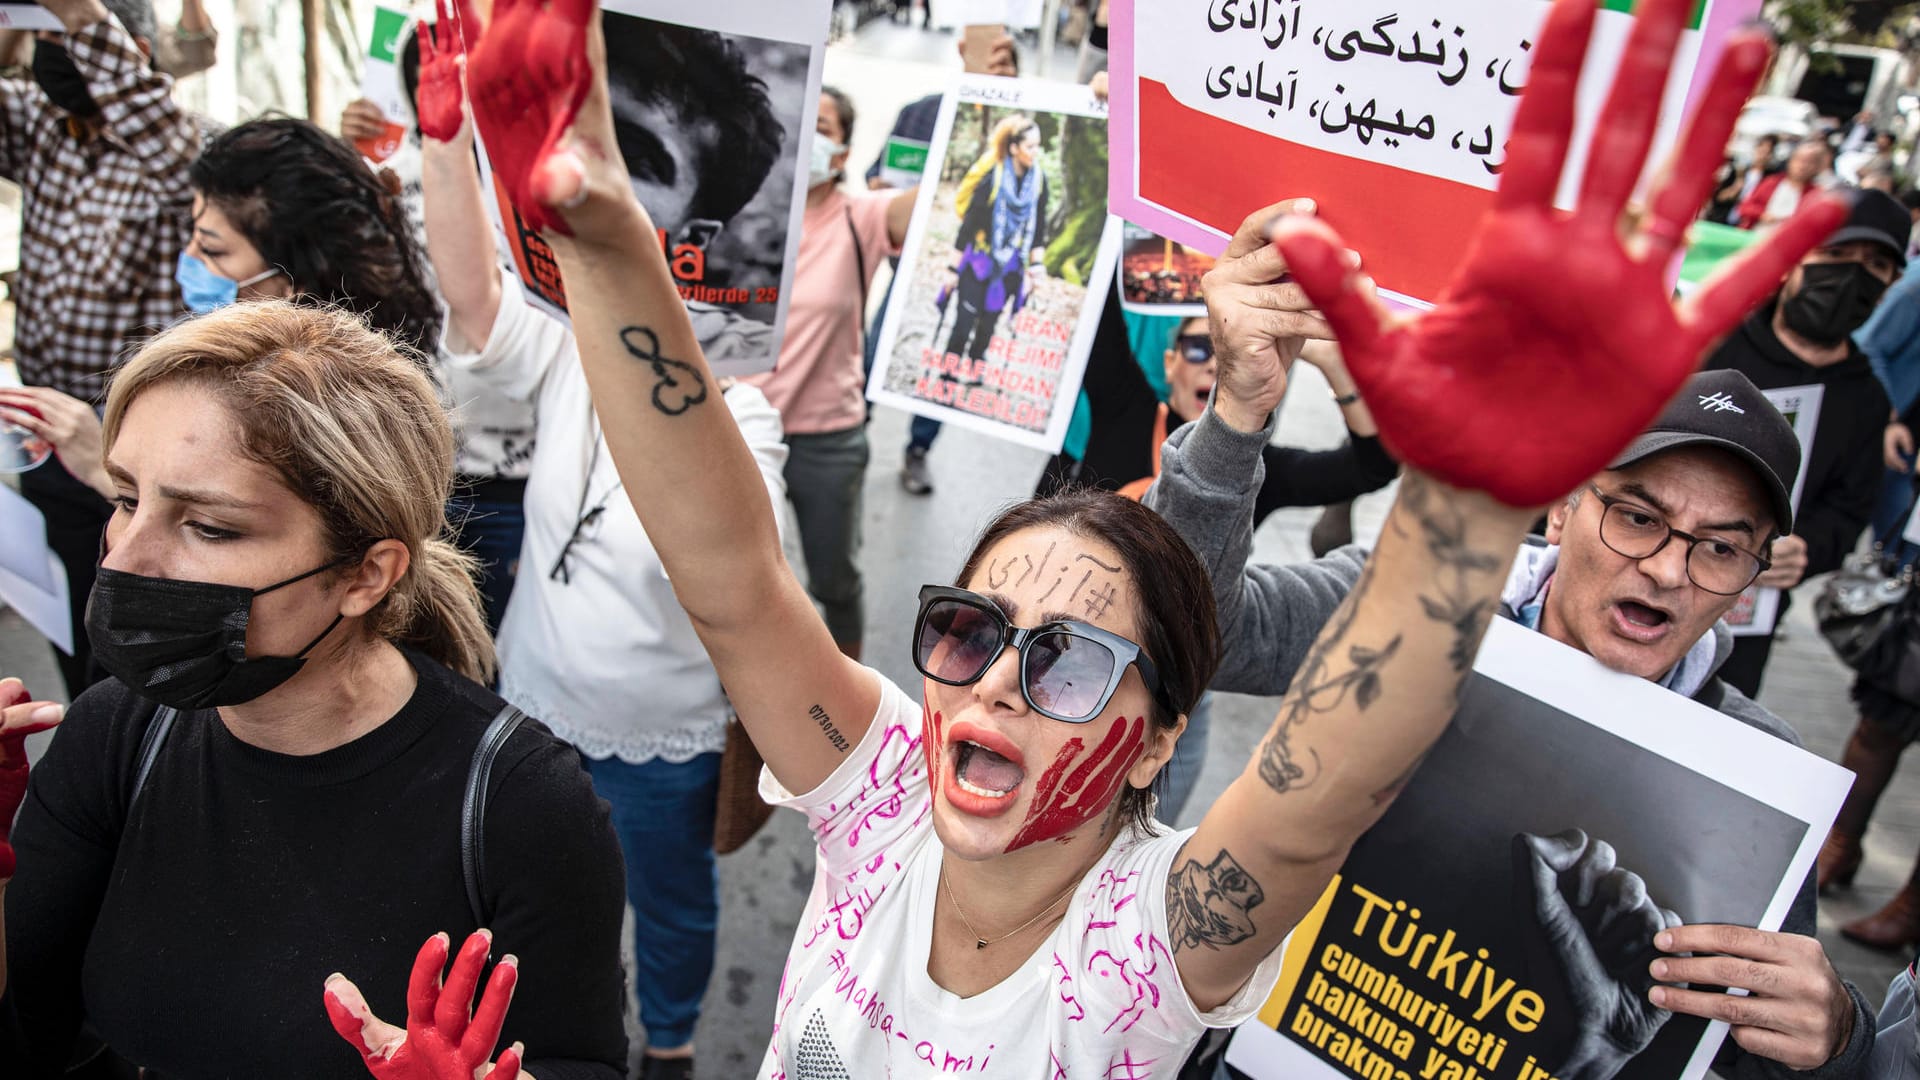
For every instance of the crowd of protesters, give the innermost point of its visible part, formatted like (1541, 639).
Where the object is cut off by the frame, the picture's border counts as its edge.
(405, 613)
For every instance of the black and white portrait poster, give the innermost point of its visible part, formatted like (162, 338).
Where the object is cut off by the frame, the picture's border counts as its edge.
(1502, 913)
(1010, 255)
(713, 110)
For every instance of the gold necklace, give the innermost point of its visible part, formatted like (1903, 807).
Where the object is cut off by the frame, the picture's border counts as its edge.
(980, 942)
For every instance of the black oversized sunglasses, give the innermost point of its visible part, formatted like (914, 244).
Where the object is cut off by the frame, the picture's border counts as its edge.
(1068, 669)
(1194, 348)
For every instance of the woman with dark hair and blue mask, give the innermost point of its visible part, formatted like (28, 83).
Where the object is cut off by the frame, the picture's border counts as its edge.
(283, 209)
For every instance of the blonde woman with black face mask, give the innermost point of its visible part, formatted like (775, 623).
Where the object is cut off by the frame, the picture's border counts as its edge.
(275, 579)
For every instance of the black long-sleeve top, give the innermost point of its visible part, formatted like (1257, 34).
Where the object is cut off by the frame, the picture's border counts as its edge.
(194, 933)
(1120, 445)
(1844, 464)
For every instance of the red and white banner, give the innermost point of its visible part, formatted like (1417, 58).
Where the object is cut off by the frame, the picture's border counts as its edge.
(1393, 117)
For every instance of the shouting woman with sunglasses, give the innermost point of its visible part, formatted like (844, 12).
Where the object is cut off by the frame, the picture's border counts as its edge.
(985, 892)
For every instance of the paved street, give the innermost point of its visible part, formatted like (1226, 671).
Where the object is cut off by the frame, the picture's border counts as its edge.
(910, 541)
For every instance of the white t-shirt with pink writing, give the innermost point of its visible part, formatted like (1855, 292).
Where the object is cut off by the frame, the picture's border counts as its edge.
(1100, 998)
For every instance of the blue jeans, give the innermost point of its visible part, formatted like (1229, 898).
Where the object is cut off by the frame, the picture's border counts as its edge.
(488, 525)
(663, 814)
(1189, 755)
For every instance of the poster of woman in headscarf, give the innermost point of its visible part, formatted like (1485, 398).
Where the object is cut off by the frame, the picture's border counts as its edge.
(1009, 257)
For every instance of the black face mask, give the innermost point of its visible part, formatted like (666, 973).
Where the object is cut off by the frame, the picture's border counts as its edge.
(53, 69)
(1834, 300)
(184, 643)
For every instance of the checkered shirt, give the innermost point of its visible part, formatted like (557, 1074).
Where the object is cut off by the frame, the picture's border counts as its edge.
(106, 213)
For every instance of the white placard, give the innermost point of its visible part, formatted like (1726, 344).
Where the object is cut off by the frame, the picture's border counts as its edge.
(748, 98)
(28, 17)
(1718, 821)
(990, 330)
(1757, 609)
(33, 580)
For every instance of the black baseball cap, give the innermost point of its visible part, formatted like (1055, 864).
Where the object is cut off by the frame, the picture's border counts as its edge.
(1725, 409)
(1878, 217)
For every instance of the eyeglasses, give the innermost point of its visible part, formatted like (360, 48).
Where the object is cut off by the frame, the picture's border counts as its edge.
(1636, 532)
(1194, 348)
(1068, 670)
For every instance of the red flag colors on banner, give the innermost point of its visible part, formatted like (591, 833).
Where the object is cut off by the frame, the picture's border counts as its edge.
(1393, 117)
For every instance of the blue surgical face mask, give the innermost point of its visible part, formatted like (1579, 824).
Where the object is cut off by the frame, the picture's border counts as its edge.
(204, 291)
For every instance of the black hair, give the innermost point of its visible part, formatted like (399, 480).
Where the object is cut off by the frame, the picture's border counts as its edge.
(410, 71)
(1173, 599)
(1910, 199)
(843, 105)
(311, 206)
(704, 78)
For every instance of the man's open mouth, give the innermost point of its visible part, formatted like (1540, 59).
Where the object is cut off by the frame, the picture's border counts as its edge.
(1643, 615)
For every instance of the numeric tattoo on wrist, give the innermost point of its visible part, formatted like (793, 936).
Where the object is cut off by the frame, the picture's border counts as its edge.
(678, 385)
(820, 717)
(1209, 905)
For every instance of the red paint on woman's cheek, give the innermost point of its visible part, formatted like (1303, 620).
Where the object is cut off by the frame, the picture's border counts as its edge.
(932, 744)
(1063, 801)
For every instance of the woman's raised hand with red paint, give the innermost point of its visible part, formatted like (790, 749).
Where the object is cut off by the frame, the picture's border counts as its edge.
(439, 100)
(19, 718)
(528, 75)
(446, 1038)
(1556, 341)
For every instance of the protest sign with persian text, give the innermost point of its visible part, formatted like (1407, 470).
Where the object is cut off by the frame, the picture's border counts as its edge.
(1392, 116)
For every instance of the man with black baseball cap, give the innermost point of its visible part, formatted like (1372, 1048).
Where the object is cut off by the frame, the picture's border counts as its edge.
(1804, 338)
(1637, 569)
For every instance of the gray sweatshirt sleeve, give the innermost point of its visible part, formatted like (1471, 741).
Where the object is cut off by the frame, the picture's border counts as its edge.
(1210, 475)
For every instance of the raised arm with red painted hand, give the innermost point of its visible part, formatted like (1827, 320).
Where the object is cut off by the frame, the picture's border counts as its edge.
(446, 1038)
(1555, 343)
(1496, 388)
(440, 102)
(684, 465)
(529, 75)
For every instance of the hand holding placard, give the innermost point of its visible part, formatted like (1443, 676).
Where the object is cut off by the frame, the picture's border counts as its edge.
(1555, 342)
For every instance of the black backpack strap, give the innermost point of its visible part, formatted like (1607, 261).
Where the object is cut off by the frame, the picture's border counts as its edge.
(473, 808)
(860, 262)
(150, 743)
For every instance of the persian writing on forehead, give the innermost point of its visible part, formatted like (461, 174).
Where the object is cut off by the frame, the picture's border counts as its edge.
(1093, 580)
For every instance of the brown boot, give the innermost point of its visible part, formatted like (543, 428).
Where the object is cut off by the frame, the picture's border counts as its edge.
(1892, 927)
(1839, 859)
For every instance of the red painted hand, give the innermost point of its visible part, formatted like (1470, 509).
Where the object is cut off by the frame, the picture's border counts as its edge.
(528, 74)
(443, 1039)
(439, 99)
(19, 718)
(1556, 343)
